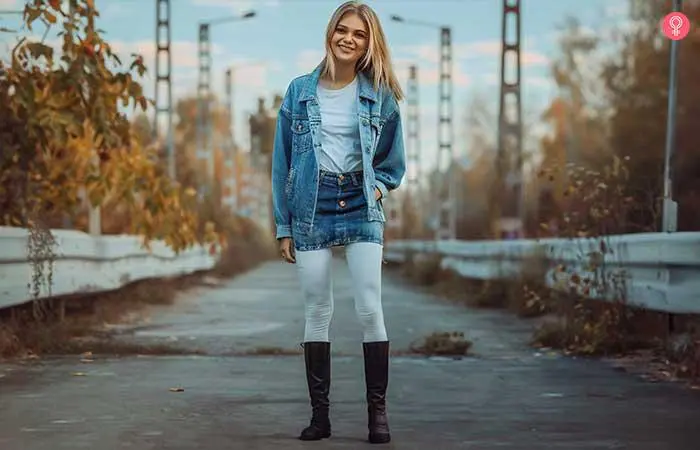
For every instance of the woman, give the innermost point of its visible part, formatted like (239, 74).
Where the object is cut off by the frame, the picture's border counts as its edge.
(338, 152)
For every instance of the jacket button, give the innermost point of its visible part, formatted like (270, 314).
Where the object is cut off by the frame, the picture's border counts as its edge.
(342, 203)
(299, 127)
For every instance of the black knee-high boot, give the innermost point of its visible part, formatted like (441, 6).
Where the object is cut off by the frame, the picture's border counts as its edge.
(317, 356)
(376, 379)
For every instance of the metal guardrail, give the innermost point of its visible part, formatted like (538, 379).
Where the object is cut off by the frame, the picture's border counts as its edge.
(85, 263)
(657, 271)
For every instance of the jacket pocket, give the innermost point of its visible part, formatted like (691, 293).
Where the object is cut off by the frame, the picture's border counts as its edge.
(301, 136)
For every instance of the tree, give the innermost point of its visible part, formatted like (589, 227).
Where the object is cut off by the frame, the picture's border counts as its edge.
(62, 134)
(192, 171)
(577, 115)
(142, 130)
(476, 184)
(637, 84)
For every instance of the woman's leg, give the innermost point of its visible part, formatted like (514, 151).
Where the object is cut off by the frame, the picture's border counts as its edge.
(365, 262)
(314, 269)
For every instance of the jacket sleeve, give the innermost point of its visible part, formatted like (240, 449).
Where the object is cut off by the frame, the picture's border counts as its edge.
(390, 158)
(281, 160)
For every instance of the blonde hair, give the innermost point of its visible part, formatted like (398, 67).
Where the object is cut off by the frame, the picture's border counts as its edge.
(376, 62)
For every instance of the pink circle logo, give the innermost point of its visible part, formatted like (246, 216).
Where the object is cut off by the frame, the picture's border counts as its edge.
(675, 26)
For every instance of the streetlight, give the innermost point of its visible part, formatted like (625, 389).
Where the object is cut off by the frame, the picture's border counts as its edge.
(670, 207)
(232, 182)
(204, 129)
(446, 206)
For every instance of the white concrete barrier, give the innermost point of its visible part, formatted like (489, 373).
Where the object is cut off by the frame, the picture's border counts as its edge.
(658, 271)
(85, 263)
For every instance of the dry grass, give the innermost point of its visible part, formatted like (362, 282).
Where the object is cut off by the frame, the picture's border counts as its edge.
(568, 322)
(526, 297)
(443, 344)
(22, 333)
(274, 351)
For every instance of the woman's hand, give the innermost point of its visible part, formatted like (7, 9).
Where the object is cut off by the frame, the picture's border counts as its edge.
(287, 250)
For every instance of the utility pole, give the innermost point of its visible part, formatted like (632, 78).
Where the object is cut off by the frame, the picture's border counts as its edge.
(413, 128)
(413, 152)
(164, 82)
(509, 219)
(232, 199)
(205, 130)
(445, 204)
(447, 226)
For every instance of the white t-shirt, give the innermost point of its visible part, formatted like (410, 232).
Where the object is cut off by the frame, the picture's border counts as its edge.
(340, 133)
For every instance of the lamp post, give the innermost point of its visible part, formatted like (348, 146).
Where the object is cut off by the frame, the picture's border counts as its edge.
(231, 145)
(204, 130)
(447, 207)
(670, 207)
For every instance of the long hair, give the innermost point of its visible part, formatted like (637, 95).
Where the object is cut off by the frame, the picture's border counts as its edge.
(376, 62)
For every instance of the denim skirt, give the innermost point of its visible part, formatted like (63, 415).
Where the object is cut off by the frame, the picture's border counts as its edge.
(341, 216)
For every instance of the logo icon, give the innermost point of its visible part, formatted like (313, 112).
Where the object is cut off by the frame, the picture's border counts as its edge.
(675, 26)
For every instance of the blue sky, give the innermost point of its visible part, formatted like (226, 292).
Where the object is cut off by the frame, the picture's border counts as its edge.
(286, 39)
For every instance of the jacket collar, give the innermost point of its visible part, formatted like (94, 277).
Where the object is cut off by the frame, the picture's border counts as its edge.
(309, 90)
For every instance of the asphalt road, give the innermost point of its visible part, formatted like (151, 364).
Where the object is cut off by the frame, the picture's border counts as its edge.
(507, 396)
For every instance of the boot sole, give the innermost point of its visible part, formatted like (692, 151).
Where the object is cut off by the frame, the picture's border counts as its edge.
(315, 438)
(379, 439)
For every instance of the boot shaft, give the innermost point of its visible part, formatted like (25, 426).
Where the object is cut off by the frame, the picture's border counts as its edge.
(377, 379)
(317, 359)
(376, 372)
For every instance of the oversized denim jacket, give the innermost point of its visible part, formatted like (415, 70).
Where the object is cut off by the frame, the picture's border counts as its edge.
(295, 170)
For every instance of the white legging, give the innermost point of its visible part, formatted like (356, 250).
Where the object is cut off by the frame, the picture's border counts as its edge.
(365, 263)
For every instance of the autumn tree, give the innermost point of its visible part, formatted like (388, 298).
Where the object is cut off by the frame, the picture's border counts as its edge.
(576, 118)
(192, 171)
(62, 134)
(476, 183)
(637, 83)
(142, 130)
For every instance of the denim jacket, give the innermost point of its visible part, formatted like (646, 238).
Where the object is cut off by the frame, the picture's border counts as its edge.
(295, 170)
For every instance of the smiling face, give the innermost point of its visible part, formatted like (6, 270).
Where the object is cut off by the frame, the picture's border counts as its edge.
(350, 39)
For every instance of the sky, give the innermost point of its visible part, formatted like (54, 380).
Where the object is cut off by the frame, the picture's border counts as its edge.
(285, 39)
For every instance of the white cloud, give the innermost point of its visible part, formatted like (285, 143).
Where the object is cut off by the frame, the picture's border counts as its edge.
(431, 75)
(11, 4)
(237, 6)
(493, 79)
(252, 73)
(184, 53)
(469, 51)
(307, 60)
